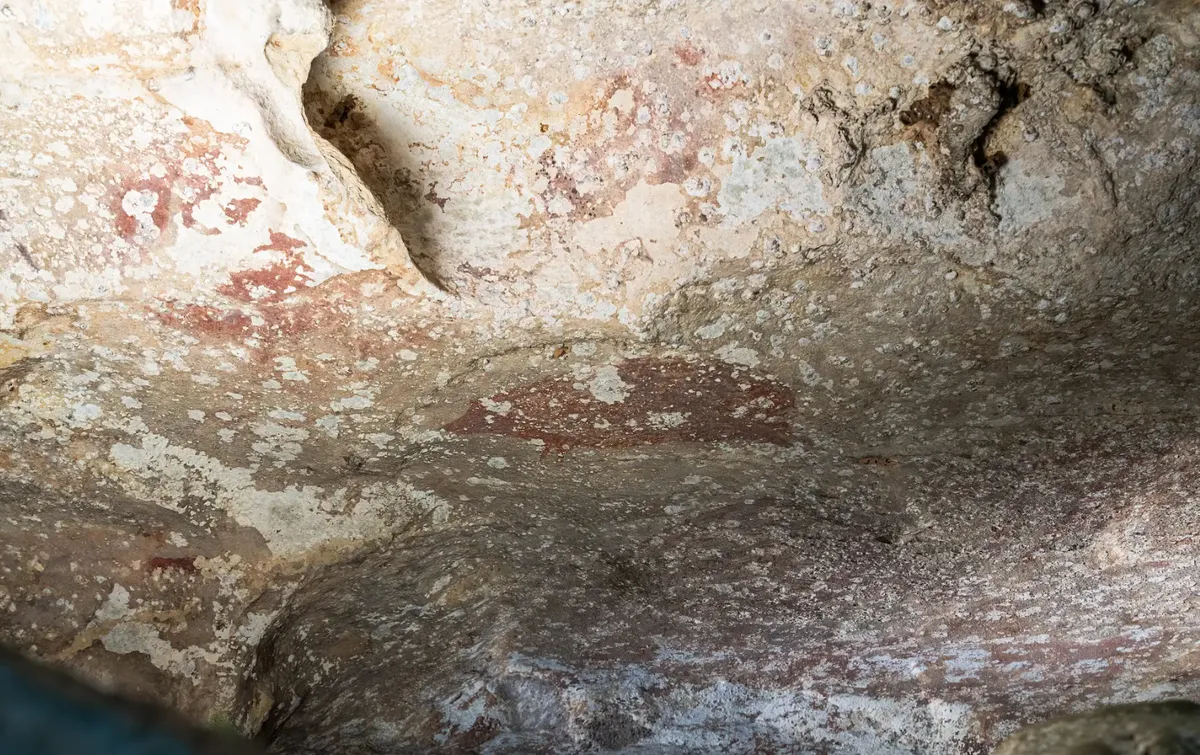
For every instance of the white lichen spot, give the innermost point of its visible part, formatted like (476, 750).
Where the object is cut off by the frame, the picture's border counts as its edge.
(726, 75)
(621, 100)
(287, 365)
(279, 442)
(698, 186)
(138, 637)
(195, 414)
(1027, 194)
(607, 386)
(329, 425)
(115, 607)
(496, 407)
(441, 584)
(351, 402)
(251, 632)
(140, 205)
(498, 462)
(490, 482)
(538, 144)
(380, 440)
(666, 420)
(284, 414)
(742, 355)
(292, 520)
(713, 329)
(779, 174)
(85, 413)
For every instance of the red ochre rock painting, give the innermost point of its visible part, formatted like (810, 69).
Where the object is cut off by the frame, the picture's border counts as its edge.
(279, 279)
(666, 400)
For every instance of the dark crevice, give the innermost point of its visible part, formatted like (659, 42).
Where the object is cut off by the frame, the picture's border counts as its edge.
(340, 118)
(25, 255)
(341, 111)
(276, 719)
(988, 161)
(1104, 93)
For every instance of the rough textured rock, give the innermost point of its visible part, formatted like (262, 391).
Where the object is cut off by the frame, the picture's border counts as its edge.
(1167, 726)
(814, 376)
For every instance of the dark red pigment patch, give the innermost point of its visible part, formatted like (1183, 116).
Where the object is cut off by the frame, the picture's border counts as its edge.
(179, 190)
(127, 224)
(237, 210)
(283, 313)
(281, 278)
(717, 402)
(688, 54)
(293, 314)
(164, 563)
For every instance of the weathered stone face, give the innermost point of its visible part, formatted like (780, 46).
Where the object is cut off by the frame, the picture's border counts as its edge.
(628, 376)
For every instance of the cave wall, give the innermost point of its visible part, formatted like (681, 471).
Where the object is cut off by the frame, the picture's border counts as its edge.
(637, 376)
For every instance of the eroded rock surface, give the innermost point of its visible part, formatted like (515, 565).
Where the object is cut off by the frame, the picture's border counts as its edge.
(797, 377)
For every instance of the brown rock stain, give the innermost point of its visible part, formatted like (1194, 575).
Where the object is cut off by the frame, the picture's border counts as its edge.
(433, 197)
(191, 7)
(877, 461)
(668, 401)
(931, 108)
(676, 168)
(387, 69)
(166, 563)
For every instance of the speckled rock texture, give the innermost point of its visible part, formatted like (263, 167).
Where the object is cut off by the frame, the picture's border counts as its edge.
(641, 376)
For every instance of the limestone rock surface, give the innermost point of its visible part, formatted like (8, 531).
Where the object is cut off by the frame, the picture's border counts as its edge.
(639, 376)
